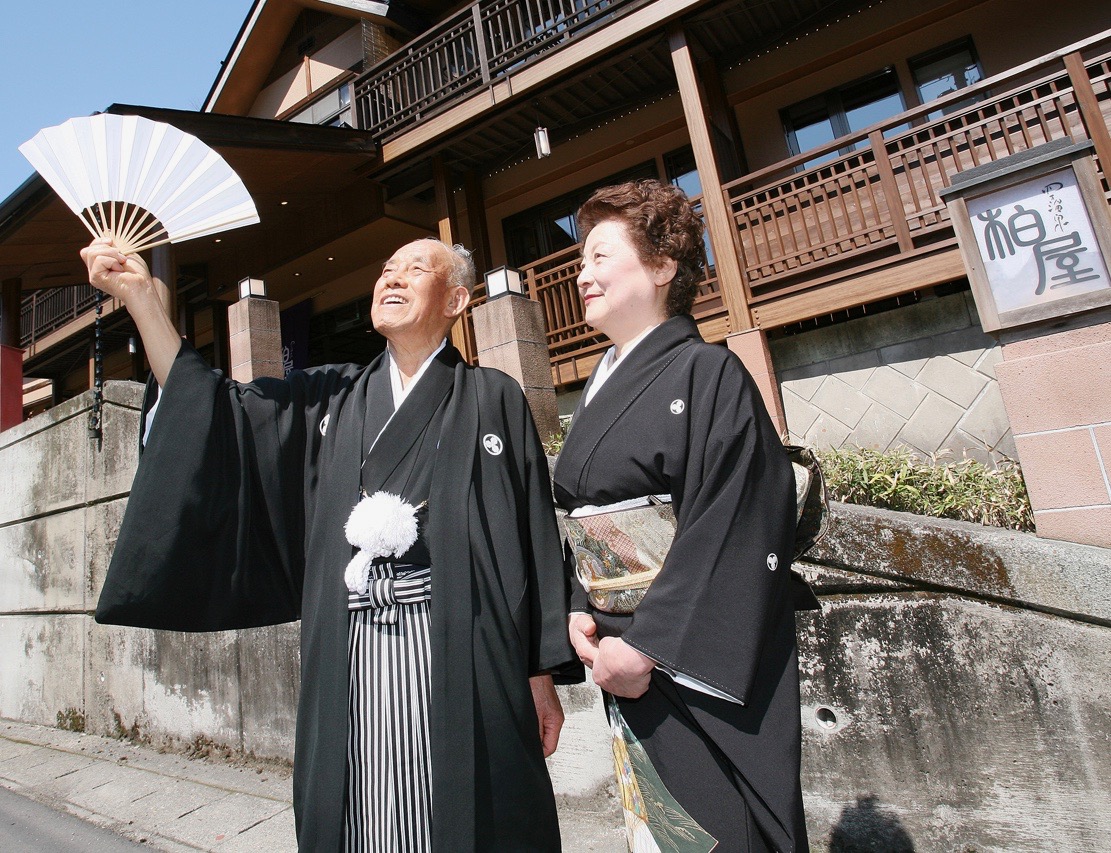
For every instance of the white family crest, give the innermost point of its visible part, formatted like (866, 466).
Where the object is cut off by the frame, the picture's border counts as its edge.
(324, 424)
(677, 407)
(492, 444)
(773, 562)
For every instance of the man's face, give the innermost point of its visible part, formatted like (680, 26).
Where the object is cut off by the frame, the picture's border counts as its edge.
(412, 302)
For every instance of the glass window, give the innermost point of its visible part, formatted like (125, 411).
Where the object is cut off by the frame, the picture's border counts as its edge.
(332, 109)
(841, 111)
(945, 70)
(681, 172)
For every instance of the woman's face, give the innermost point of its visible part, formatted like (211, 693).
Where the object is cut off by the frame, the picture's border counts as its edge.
(622, 296)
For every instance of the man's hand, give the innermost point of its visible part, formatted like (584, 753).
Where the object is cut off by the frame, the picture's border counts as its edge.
(584, 637)
(548, 711)
(125, 277)
(622, 670)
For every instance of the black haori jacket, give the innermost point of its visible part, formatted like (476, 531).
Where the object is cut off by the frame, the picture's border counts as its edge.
(236, 520)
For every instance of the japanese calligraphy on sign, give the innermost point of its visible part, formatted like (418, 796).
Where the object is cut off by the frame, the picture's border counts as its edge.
(1036, 242)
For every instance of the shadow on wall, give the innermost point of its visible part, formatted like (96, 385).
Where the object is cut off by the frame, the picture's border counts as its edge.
(868, 827)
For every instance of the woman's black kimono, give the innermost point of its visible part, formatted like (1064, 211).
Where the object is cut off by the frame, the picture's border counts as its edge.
(683, 417)
(236, 518)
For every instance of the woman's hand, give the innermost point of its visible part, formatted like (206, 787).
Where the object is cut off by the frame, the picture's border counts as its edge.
(549, 712)
(620, 669)
(584, 637)
(125, 277)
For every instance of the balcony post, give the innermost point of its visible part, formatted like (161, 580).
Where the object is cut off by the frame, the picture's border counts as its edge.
(719, 222)
(11, 354)
(745, 339)
(478, 232)
(891, 192)
(447, 227)
(1089, 109)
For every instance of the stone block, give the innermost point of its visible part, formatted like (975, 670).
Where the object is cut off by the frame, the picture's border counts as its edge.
(43, 564)
(952, 380)
(827, 431)
(112, 464)
(960, 446)
(42, 667)
(1087, 526)
(855, 370)
(528, 362)
(988, 360)
(545, 413)
(270, 683)
(800, 414)
(931, 424)
(45, 469)
(1062, 469)
(895, 391)
(909, 357)
(877, 429)
(163, 686)
(804, 382)
(508, 318)
(965, 345)
(986, 421)
(102, 529)
(1039, 343)
(1059, 390)
(1102, 435)
(221, 818)
(956, 725)
(841, 401)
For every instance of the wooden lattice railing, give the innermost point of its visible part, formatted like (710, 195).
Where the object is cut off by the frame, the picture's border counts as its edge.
(467, 51)
(43, 311)
(797, 225)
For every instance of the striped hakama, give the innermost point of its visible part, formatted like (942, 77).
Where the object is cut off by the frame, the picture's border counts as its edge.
(389, 767)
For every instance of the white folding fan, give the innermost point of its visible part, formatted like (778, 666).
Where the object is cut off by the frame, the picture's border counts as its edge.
(139, 182)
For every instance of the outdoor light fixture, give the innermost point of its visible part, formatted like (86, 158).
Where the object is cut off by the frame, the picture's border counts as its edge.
(504, 280)
(543, 144)
(252, 287)
(132, 346)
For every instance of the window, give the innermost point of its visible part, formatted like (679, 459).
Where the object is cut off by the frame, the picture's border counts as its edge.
(550, 227)
(944, 70)
(842, 111)
(332, 110)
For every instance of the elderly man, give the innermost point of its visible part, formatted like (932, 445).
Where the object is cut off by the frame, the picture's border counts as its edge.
(426, 705)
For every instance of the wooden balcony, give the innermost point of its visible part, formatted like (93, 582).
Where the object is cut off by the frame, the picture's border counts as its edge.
(45, 311)
(469, 51)
(869, 224)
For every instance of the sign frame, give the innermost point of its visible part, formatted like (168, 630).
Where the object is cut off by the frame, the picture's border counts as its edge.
(1018, 169)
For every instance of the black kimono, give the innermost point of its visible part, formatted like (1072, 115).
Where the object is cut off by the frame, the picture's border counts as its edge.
(683, 417)
(236, 520)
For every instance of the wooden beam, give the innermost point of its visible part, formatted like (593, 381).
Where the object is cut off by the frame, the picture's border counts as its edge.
(445, 201)
(860, 289)
(163, 268)
(478, 232)
(719, 222)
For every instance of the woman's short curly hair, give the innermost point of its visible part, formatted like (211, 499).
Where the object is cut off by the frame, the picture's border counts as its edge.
(661, 223)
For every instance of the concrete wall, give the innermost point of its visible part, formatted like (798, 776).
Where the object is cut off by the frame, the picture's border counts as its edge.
(921, 376)
(954, 685)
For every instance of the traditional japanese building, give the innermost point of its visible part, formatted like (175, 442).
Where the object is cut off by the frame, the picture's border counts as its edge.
(817, 135)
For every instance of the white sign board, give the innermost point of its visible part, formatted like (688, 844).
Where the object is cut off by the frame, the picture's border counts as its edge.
(1036, 242)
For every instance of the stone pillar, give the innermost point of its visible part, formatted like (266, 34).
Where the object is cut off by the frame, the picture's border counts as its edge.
(1056, 387)
(751, 347)
(11, 354)
(510, 335)
(255, 339)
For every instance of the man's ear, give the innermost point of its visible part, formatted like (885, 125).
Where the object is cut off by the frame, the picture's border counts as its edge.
(458, 300)
(665, 271)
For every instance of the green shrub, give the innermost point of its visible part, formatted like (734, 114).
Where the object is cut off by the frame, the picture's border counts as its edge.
(897, 479)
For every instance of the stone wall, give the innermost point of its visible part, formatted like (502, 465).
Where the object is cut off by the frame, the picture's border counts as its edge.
(955, 684)
(920, 376)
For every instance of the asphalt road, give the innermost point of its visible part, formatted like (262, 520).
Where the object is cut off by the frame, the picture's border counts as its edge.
(30, 827)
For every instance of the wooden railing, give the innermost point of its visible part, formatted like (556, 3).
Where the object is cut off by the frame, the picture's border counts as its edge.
(467, 51)
(46, 310)
(795, 223)
(799, 226)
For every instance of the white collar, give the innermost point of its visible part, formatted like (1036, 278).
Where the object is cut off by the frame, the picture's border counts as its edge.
(610, 361)
(399, 392)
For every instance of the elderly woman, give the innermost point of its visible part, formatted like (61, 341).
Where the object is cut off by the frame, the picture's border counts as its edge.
(702, 676)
